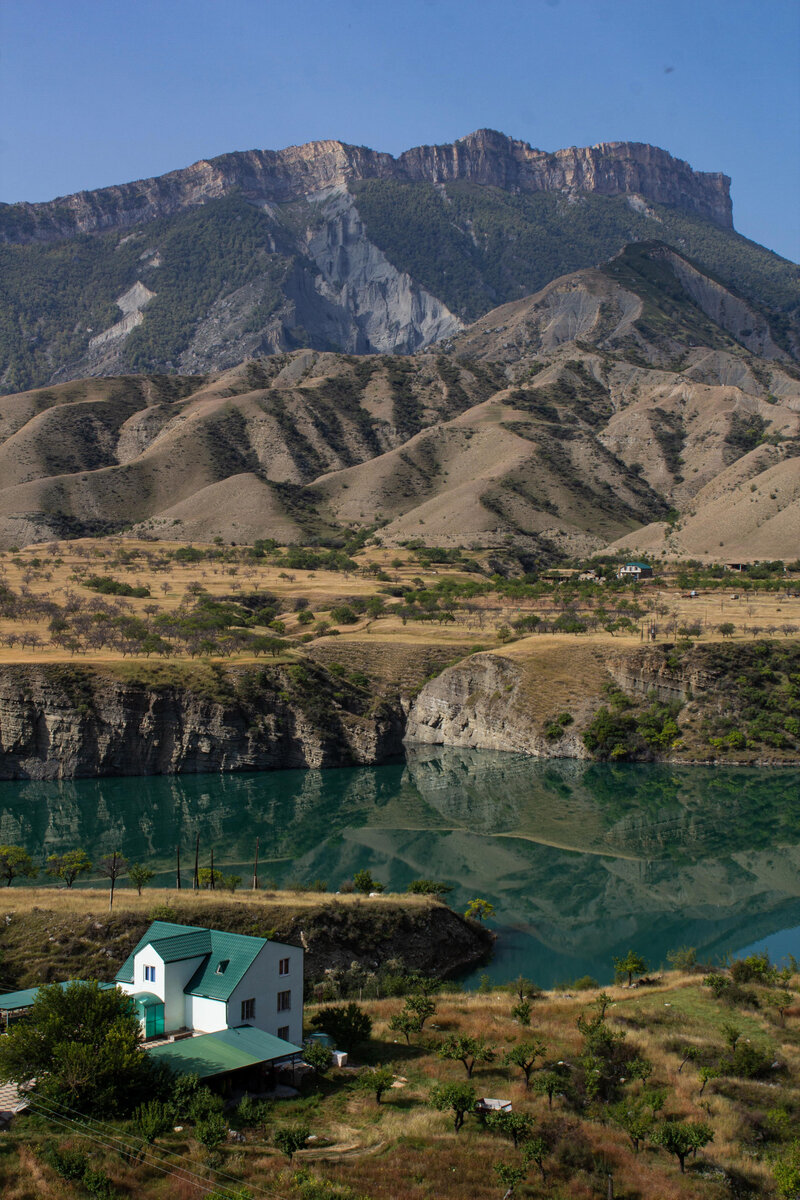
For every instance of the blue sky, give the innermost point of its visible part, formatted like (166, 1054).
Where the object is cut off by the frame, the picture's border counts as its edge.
(94, 92)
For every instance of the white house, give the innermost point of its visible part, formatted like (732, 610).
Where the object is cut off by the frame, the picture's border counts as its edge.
(185, 978)
(635, 570)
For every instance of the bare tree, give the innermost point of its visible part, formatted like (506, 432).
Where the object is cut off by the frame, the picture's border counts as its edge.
(112, 866)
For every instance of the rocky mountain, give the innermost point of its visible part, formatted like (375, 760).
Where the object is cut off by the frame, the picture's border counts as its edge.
(638, 403)
(342, 248)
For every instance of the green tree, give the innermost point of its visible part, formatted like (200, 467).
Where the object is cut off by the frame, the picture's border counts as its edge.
(405, 1023)
(365, 884)
(152, 1120)
(420, 1006)
(211, 1131)
(231, 882)
(524, 1055)
(82, 1045)
(479, 910)
(517, 1126)
(635, 1117)
(68, 866)
(347, 1024)
(536, 1150)
(786, 1172)
(632, 964)
(318, 1056)
(140, 876)
(291, 1138)
(522, 1012)
(547, 1083)
(375, 1080)
(727, 629)
(15, 863)
(459, 1098)
(509, 1177)
(471, 1051)
(209, 881)
(682, 1138)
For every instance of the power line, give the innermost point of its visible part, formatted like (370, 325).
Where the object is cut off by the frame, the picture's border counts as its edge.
(131, 1145)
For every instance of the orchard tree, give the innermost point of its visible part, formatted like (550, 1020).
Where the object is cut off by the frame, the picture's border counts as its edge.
(375, 1080)
(517, 1126)
(112, 866)
(347, 1024)
(471, 1051)
(291, 1138)
(318, 1056)
(459, 1098)
(524, 1055)
(68, 866)
(16, 863)
(682, 1138)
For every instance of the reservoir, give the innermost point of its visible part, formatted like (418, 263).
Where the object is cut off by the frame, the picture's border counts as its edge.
(582, 861)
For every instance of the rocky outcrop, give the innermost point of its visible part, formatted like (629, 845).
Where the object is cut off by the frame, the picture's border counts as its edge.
(481, 704)
(278, 176)
(63, 722)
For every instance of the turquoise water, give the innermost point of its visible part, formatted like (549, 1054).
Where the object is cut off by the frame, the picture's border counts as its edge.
(582, 861)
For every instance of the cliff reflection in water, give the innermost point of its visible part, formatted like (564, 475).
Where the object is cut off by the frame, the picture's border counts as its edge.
(581, 860)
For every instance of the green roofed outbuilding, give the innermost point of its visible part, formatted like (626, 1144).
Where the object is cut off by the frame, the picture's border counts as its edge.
(214, 1054)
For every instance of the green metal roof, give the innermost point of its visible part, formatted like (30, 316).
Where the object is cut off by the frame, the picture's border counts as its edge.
(217, 1053)
(25, 998)
(237, 952)
(186, 945)
(158, 930)
(228, 956)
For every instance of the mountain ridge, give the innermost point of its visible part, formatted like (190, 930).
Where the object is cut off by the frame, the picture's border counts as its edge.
(486, 157)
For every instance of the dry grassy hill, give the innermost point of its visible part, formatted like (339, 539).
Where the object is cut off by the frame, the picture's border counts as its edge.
(622, 406)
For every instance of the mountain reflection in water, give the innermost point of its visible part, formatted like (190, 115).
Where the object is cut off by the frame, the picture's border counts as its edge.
(581, 860)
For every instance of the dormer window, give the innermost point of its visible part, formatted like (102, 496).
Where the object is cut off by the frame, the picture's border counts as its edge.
(149, 974)
(222, 966)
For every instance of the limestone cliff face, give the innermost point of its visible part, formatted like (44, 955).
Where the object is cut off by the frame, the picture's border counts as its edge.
(480, 704)
(66, 723)
(279, 176)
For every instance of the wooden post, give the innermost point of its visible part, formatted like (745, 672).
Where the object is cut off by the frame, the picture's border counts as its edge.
(255, 867)
(113, 881)
(178, 867)
(212, 869)
(196, 880)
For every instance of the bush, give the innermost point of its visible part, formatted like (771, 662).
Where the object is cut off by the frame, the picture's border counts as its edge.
(347, 1024)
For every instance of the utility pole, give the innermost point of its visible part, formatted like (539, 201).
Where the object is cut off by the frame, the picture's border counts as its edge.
(212, 868)
(178, 867)
(255, 867)
(196, 880)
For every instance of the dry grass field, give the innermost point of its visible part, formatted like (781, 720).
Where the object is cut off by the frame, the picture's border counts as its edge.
(403, 1149)
(54, 576)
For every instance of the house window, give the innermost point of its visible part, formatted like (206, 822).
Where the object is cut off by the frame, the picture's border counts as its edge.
(283, 1032)
(283, 966)
(149, 974)
(248, 1009)
(284, 1001)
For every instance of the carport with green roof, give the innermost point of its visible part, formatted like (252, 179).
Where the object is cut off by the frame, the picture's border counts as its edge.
(211, 1055)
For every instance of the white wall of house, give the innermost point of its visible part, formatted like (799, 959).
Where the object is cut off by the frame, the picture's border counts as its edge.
(204, 1015)
(263, 983)
(171, 979)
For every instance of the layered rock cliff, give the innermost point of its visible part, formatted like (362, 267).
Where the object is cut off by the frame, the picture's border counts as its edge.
(63, 722)
(280, 176)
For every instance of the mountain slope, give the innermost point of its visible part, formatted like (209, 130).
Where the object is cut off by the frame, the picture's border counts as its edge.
(617, 405)
(342, 248)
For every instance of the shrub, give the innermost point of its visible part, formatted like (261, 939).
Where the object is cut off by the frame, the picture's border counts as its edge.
(347, 1024)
